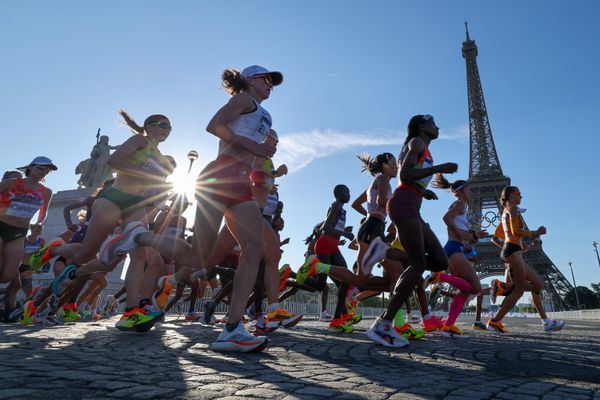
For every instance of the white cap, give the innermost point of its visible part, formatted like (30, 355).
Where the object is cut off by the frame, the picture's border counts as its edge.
(257, 70)
(42, 161)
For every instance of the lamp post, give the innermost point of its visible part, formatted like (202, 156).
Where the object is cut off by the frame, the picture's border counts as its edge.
(595, 244)
(575, 285)
(192, 155)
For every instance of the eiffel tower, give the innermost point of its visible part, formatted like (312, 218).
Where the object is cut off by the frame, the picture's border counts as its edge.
(486, 182)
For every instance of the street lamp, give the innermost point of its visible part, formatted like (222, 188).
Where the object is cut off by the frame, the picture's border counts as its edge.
(192, 156)
(575, 285)
(595, 244)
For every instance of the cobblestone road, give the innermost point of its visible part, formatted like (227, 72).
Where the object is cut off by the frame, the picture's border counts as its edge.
(94, 360)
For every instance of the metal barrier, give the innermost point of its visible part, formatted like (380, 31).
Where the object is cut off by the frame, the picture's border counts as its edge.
(306, 303)
(587, 315)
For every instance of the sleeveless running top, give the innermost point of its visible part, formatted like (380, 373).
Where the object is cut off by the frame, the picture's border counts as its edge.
(31, 247)
(271, 204)
(22, 202)
(372, 207)
(340, 222)
(461, 221)
(423, 161)
(150, 159)
(509, 235)
(254, 125)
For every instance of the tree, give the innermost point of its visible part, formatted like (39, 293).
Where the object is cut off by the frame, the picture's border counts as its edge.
(587, 298)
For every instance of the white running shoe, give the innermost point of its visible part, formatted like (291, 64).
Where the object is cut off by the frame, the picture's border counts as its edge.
(554, 325)
(325, 317)
(122, 244)
(383, 332)
(239, 340)
(375, 253)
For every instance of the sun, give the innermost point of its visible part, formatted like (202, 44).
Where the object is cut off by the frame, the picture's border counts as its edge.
(183, 184)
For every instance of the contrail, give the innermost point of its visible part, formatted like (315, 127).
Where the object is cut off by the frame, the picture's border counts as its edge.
(299, 149)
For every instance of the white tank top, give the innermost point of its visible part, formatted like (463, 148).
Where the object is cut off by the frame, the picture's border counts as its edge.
(254, 126)
(372, 207)
(461, 222)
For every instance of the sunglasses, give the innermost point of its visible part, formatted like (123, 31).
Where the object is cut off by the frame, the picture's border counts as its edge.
(44, 168)
(266, 78)
(163, 125)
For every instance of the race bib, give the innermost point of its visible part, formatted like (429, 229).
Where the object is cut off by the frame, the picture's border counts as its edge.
(23, 209)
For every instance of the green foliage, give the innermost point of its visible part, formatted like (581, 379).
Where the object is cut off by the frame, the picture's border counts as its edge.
(588, 299)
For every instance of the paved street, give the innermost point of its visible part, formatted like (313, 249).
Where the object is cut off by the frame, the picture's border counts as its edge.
(94, 360)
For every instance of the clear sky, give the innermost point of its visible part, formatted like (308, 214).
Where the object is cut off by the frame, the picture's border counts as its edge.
(354, 74)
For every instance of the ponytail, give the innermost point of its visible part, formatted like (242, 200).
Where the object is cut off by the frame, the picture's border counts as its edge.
(135, 128)
(233, 81)
(439, 181)
(374, 164)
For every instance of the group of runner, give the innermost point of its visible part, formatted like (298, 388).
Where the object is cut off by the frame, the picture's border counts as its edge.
(136, 214)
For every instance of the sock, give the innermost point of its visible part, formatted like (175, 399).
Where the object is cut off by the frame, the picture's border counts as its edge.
(457, 305)
(459, 283)
(272, 307)
(322, 268)
(399, 318)
(231, 326)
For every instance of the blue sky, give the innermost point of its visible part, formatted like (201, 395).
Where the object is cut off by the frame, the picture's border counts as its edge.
(355, 72)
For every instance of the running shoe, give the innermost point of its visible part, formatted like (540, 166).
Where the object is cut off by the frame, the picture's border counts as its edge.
(479, 326)
(413, 319)
(383, 332)
(111, 306)
(408, 332)
(286, 318)
(497, 326)
(307, 269)
(239, 340)
(284, 274)
(121, 244)
(263, 325)
(70, 313)
(453, 331)
(352, 305)
(45, 320)
(432, 323)
(97, 316)
(43, 256)
(352, 319)
(29, 310)
(325, 317)
(85, 311)
(496, 290)
(138, 320)
(554, 325)
(13, 315)
(209, 312)
(160, 298)
(432, 278)
(62, 281)
(340, 325)
(375, 253)
(193, 316)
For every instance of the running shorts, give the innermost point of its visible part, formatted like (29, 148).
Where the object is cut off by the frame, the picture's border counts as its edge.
(8, 233)
(452, 247)
(372, 228)
(508, 249)
(404, 204)
(327, 245)
(127, 203)
(226, 181)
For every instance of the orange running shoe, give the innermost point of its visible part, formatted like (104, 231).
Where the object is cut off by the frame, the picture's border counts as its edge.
(161, 296)
(497, 326)
(284, 274)
(432, 323)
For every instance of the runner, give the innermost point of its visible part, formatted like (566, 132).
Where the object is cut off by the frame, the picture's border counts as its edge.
(20, 199)
(420, 243)
(523, 277)
(463, 275)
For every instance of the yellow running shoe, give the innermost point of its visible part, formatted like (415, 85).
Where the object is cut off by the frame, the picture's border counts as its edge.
(497, 326)
(160, 298)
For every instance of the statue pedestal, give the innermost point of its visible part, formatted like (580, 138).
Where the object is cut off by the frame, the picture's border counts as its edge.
(55, 225)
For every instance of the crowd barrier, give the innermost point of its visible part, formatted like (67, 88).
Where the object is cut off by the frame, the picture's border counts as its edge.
(587, 315)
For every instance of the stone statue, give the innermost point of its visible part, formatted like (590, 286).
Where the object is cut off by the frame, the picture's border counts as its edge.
(94, 171)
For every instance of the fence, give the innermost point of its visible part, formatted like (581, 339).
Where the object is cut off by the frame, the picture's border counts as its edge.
(306, 303)
(587, 315)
